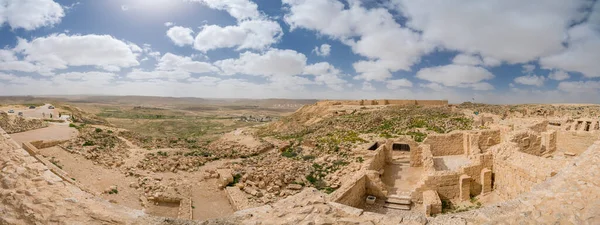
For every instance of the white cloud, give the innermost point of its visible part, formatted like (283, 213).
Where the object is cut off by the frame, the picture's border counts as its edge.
(18, 66)
(399, 83)
(172, 62)
(137, 74)
(508, 30)
(326, 74)
(252, 34)
(371, 71)
(274, 62)
(558, 75)
(433, 86)
(30, 14)
(457, 76)
(60, 51)
(169, 24)
(531, 80)
(587, 87)
(98, 78)
(528, 68)
(466, 59)
(124, 7)
(375, 28)
(181, 35)
(239, 9)
(324, 50)
(583, 52)
(367, 86)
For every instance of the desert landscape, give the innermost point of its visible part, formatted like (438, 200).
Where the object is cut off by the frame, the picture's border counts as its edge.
(140, 160)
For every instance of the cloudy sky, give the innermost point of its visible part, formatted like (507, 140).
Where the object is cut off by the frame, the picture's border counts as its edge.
(494, 51)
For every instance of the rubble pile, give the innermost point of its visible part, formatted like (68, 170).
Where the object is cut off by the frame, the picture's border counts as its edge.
(101, 147)
(169, 162)
(17, 124)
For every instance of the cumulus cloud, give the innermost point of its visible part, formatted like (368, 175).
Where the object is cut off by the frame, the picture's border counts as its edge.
(482, 27)
(324, 50)
(169, 24)
(61, 51)
(583, 52)
(172, 62)
(30, 14)
(181, 36)
(399, 83)
(587, 87)
(466, 59)
(531, 80)
(369, 32)
(239, 9)
(252, 34)
(457, 76)
(558, 75)
(274, 62)
(528, 68)
(367, 86)
(138, 74)
(326, 74)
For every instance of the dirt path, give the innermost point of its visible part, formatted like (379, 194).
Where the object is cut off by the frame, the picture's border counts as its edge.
(55, 131)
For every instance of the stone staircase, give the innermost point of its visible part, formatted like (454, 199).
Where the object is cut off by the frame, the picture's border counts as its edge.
(401, 201)
(403, 160)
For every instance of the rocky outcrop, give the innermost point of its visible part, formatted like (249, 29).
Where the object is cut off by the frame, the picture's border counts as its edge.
(17, 124)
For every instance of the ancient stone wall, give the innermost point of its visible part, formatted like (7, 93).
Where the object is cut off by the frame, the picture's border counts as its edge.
(527, 141)
(415, 150)
(549, 139)
(377, 158)
(446, 144)
(517, 172)
(481, 141)
(432, 204)
(47, 144)
(352, 193)
(446, 183)
(479, 163)
(539, 126)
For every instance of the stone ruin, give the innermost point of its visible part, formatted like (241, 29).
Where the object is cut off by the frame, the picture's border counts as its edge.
(517, 165)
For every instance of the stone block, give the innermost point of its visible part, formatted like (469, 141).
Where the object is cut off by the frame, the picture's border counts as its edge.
(432, 203)
(465, 187)
(486, 181)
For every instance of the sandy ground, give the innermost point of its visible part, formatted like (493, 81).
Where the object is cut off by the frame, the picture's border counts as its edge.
(55, 131)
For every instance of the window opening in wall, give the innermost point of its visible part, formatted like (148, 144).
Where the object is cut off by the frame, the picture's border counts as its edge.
(578, 125)
(587, 126)
(374, 146)
(597, 127)
(400, 147)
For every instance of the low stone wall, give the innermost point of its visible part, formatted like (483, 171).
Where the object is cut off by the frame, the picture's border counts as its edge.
(549, 139)
(427, 159)
(432, 204)
(446, 144)
(352, 193)
(377, 158)
(479, 163)
(516, 172)
(539, 127)
(47, 144)
(237, 198)
(527, 141)
(481, 141)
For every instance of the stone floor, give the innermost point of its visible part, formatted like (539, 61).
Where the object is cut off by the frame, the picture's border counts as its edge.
(450, 162)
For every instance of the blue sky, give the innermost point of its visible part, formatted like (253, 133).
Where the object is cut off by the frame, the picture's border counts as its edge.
(535, 51)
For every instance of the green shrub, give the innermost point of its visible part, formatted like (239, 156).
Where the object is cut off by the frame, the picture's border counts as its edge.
(161, 153)
(308, 157)
(98, 130)
(72, 125)
(88, 143)
(236, 179)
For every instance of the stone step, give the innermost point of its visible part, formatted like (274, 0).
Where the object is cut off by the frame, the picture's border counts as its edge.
(395, 206)
(399, 201)
(402, 195)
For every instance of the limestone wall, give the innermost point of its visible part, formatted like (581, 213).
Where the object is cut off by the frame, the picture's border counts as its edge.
(517, 172)
(446, 183)
(47, 144)
(432, 203)
(479, 163)
(481, 141)
(549, 139)
(352, 193)
(527, 141)
(415, 150)
(377, 158)
(539, 126)
(446, 144)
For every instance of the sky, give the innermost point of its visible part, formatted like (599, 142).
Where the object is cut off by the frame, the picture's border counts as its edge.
(490, 51)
